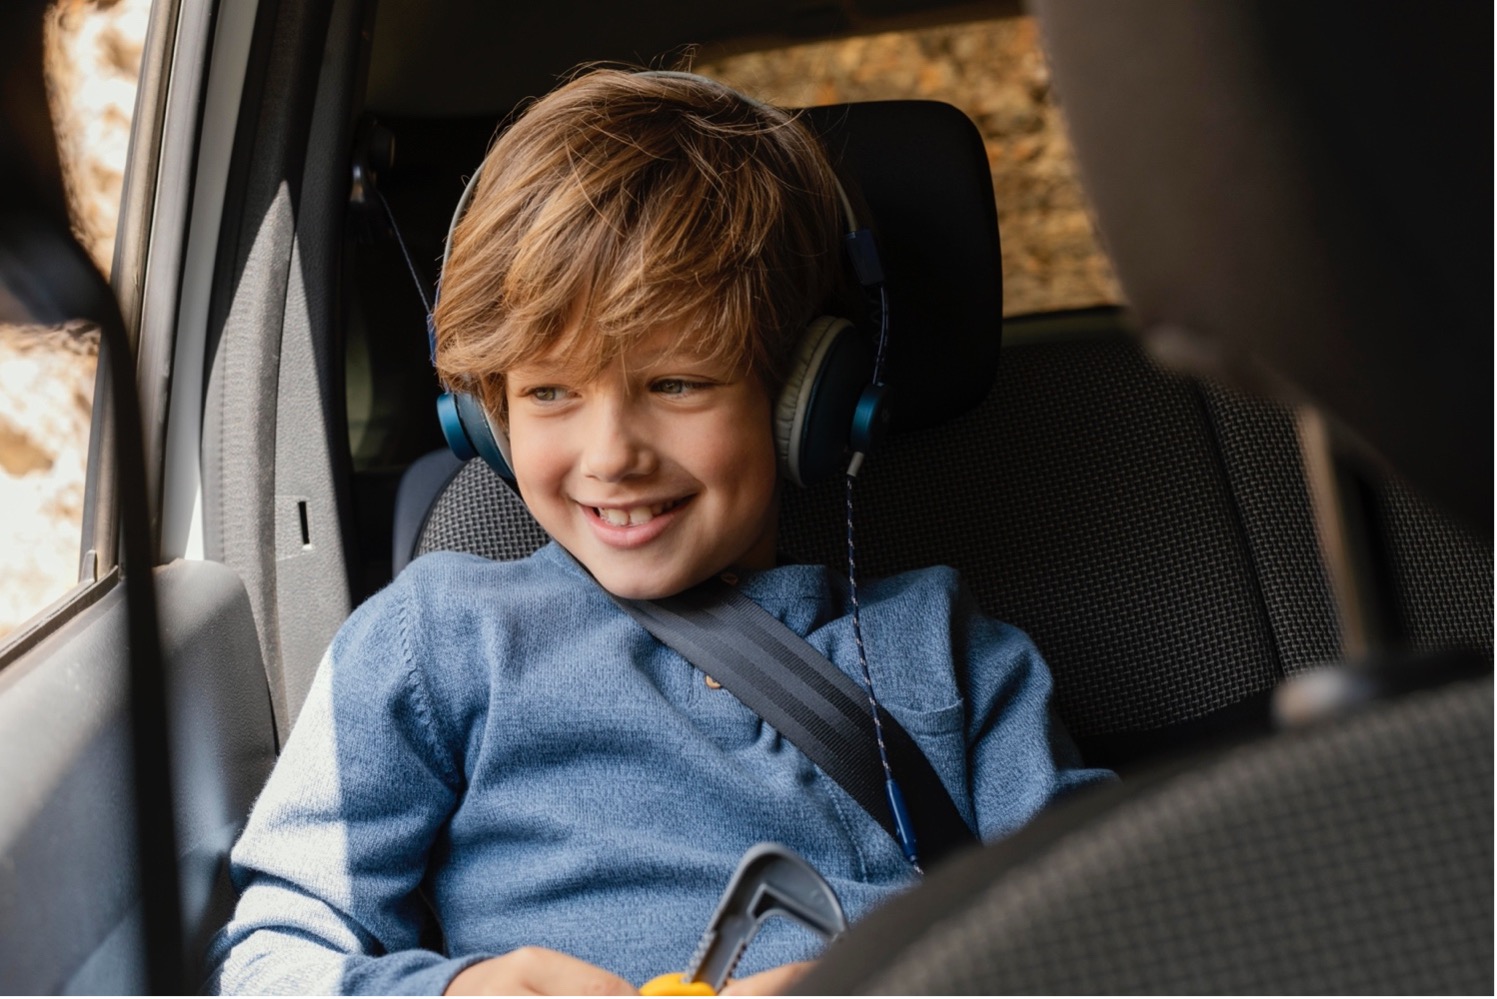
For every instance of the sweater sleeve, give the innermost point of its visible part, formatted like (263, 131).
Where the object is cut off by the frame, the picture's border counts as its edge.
(1019, 756)
(331, 861)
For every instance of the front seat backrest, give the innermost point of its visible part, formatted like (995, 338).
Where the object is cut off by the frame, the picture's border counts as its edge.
(1352, 857)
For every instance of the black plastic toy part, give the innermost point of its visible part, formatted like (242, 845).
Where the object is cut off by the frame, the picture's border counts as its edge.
(771, 880)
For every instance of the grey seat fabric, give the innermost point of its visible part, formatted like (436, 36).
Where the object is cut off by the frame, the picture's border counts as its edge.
(1440, 573)
(477, 513)
(419, 487)
(1352, 857)
(1090, 501)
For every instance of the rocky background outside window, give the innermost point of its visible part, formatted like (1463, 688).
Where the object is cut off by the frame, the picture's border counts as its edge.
(47, 376)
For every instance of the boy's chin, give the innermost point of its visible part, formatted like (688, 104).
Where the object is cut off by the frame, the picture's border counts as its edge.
(634, 585)
(629, 588)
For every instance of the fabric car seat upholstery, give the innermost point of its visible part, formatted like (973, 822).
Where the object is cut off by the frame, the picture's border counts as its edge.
(1350, 857)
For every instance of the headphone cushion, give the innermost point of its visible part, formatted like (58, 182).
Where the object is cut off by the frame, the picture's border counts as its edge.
(813, 415)
(488, 441)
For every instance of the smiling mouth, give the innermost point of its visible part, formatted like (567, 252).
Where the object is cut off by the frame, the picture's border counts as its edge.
(633, 516)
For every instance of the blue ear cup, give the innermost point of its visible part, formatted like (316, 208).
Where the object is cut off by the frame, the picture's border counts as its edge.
(870, 419)
(470, 434)
(465, 423)
(827, 380)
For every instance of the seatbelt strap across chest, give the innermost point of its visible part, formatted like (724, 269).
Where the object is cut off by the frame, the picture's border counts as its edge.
(821, 710)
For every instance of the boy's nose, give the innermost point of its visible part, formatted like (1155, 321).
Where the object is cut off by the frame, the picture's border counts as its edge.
(615, 448)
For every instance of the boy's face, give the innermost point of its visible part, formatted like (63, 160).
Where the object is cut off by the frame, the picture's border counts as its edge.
(656, 474)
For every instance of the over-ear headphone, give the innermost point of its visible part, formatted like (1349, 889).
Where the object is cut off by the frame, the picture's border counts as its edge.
(833, 398)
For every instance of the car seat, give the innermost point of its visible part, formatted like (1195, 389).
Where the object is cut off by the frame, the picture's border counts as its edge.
(1354, 856)
(1152, 533)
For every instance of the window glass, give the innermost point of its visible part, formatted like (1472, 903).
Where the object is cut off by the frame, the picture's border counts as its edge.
(996, 73)
(93, 50)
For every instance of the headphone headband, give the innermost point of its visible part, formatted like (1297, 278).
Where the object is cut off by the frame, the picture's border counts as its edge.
(849, 215)
(834, 395)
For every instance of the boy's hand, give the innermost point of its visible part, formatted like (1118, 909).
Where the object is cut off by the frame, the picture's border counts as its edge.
(773, 982)
(536, 971)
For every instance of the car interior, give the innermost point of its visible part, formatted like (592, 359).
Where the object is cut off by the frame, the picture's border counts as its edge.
(1272, 618)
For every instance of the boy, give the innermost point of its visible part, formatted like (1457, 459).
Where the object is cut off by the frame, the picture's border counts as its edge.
(502, 742)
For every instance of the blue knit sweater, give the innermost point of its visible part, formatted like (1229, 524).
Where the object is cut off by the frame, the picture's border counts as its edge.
(502, 740)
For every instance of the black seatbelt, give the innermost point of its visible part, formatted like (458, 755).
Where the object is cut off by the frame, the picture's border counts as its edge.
(802, 695)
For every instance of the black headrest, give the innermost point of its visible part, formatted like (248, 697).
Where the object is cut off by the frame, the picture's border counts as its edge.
(923, 170)
(1305, 187)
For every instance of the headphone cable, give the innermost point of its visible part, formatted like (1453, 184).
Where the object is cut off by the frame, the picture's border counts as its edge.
(904, 828)
(405, 253)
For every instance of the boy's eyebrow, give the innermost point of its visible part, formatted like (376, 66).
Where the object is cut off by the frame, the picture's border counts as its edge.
(653, 355)
(535, 370)
(673, 348)
(668, 357)
(637, 355)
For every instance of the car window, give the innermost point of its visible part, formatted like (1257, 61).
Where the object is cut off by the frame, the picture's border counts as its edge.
(46, 400)
(47, 374)
(996, 73)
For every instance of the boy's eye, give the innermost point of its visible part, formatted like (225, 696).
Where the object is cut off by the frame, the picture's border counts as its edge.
(677, 386)
(545, 393)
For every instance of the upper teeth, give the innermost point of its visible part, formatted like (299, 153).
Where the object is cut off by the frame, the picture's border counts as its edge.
(634, 515)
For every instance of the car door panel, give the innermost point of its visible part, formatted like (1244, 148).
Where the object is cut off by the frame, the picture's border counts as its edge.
(69, 891)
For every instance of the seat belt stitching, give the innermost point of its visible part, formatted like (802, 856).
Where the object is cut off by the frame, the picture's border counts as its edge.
(817, 679)
(795, 695)
(742, 667)
(834, 686)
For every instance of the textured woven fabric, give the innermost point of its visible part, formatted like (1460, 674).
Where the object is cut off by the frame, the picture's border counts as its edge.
(1261, 454)
(1442, 576)
(477, 513)
(1084, 502)
(1355, 857)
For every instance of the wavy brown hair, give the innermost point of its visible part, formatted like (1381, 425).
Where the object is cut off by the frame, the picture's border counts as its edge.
(623, 203)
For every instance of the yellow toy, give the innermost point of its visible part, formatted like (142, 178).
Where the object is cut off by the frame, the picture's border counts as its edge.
(674, 983)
